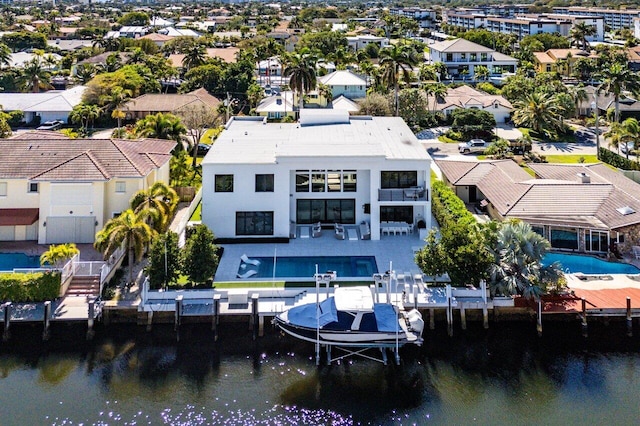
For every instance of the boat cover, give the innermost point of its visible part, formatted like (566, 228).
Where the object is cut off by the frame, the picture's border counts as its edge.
(386, 317)
(305, 315)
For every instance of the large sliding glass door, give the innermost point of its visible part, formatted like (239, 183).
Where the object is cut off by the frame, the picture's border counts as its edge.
(596, 240)
(326, 211)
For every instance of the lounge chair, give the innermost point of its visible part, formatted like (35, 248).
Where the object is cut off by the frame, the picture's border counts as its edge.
(248, 274)
(339, 231)
(636, 251)
(245, 259)
(419, 282)
(316, 230)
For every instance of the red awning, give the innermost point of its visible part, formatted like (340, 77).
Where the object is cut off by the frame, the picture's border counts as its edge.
(12, 217)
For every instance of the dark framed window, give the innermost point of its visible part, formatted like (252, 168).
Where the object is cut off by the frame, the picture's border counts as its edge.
(302, 181)
(326, 211)
(564, 239)
(264, 183)
(224, 183)
(396, 214)
(401, 179)
(349, 181)
(254, 223)
(318, 181)
(33, 187)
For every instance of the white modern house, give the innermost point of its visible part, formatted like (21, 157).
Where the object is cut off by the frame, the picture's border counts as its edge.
(361, 41)
(51, 105)
(261, 178)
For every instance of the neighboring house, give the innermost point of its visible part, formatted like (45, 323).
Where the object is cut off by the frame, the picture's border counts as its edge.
(132, 32)
(260, 177)
(19, 59)
(467, 97)
(361, 41)
(559, 60)
(69, 45)
(278, 106)
(101, 59)
(153, 103)
(345, 104)
(283, 38)
(227, 54)
(462, 56)
(577, 207)
(64, 190)
(345, 83)
(51, 105)
(178, 32)
(629, 106)
(158, 39)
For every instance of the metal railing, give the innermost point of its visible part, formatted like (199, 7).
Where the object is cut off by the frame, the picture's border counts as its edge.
(408, 194)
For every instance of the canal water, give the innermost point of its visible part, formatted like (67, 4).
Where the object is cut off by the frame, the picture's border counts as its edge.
(506, 375)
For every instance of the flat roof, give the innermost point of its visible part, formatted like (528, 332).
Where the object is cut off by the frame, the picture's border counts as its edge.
(328, 133)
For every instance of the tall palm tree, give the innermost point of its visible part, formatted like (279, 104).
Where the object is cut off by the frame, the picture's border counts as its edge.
(194, 56)
(623, 133)
(579, 95)
(615, 80)
(159, 201)
(397, 62)
(538, 111)
(579, 33)
(161, 126)
(130, 229)
(326, 92)
(34, 76)
(301, 71)
(115, 100)
(517, 267)
(481, 72)
(85, 114)
(438, 91)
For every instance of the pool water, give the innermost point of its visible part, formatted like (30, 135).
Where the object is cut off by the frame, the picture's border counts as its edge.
(573, 263)
(9, 261)
(305, 267)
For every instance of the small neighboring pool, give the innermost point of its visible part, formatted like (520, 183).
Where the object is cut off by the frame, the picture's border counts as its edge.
(305, 267)
(9, 261)
(573, 263)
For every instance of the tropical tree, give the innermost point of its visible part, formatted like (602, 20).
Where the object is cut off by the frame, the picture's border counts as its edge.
(517, 256)
(623, 133)
(58, 254)
(579, 95)
(84, 114)
(396, 63)
(5, 55)
(194, 56)
(85, 72)
(481, 72)
(129, 229)
(438, 91)
(615, 80)
(301, 71)
(579, 33)
(196, 119)
(326, 92)
(200, 255)
(114, 101)
(538, 111)
(164, 260)
(34, 76)
(161, 126)
(159, 203)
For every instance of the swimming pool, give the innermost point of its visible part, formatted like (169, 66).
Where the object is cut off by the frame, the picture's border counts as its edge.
(305, 267)
(588, 264)
(9, 261)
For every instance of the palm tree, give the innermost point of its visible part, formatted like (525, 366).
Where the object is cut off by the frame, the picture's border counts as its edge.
(84, 114)
(115, 100)
(438, 91)
(481, 72)
(579, 95)
(326, 92)
(34, 76)
(301, 71)
(538, 111)
(623, 133)
(85, 72)
(397, 62)
(579, 34)
(161, 126)
(617, 79)
(5, 55)
(159, 202)
(194, 56)
(517, 267)
(57, 254)
(130, 229)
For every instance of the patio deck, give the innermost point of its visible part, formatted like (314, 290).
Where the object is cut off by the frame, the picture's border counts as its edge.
(398, 249)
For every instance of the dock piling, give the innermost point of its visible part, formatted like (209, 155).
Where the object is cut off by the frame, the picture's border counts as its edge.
(216, 316)
(432, 319)
(46, 321)
(585, 331)
(91, 319)
(463, 317)
(254, 315)
(485, 310)
(629, 318)
(149, 320)
(539, 325)
(415, 297)
(7, 321)
(449, 312)
(178, 318)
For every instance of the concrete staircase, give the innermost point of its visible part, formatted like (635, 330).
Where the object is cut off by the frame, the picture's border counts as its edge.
(84, 286)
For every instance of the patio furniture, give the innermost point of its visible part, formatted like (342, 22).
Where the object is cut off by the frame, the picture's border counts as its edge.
(292, 230)
(249, 273)
(339, 231)
(636, 251)
(365, 231)
(317, 230)
(352, 234)
(304, 232)
(245, 259)
(417, 279)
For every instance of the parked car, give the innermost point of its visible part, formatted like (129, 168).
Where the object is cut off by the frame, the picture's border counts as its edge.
(474, 146)
(627, 148)
(203, 148)
(51, 125)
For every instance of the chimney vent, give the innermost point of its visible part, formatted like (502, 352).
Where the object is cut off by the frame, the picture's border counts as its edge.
(584, 178)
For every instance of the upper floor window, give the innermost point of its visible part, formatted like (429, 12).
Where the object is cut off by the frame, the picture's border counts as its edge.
(3, 189)
(399, 179)
(483, 57)
(449, 56)
(121, 186)
(224, 183)
(33, 187)
(264, 183)
(474, 57)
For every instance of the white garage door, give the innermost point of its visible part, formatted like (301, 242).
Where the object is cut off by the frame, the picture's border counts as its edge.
(80, 229)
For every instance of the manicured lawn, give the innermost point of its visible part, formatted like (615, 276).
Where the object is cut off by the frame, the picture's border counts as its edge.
(571, 158)
(445, 139)
(209, 134)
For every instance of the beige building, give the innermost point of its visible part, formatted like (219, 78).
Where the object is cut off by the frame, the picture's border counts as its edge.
(59, 190)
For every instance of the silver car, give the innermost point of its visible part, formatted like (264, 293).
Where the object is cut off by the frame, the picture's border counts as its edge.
(474, 146)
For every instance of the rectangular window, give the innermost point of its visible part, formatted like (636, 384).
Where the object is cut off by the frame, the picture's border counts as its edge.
(334, 178)
(483, 57)
(264, 183)
(463, 56)
(302, 181)
(326, 211)
(318, 178)
(396, 214)
(3, 189)
(33, 187)
(121, 186)
(254, 223)
(564, 239)
(400, 179)
(224, 183)
(473, 57)
(349, 181)
(449, 57)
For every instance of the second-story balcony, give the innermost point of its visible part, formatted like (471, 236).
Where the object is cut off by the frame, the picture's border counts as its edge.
(403, 194)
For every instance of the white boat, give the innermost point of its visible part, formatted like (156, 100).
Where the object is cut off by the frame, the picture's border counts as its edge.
(351, 318)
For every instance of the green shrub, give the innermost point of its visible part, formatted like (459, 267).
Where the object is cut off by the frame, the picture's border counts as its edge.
(618, 161)
(36, 287)
(447, 207)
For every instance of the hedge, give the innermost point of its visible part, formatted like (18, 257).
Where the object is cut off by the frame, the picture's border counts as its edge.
(447, 207)
(36, 287)
(618, 161)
